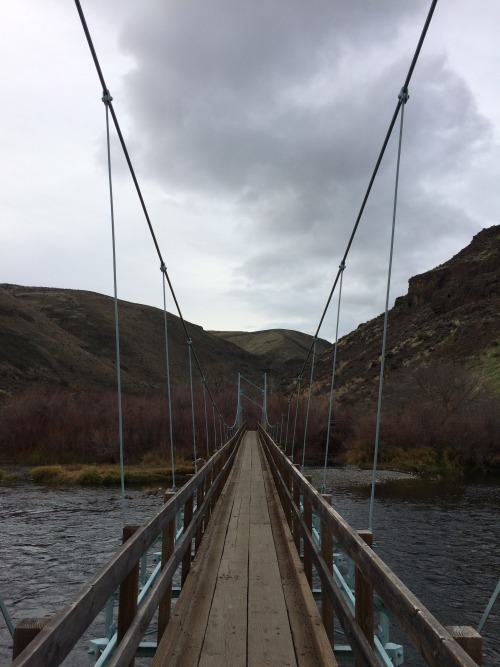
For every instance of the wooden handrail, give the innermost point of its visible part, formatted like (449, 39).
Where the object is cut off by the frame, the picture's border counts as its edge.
(59, 636)
(430, 638)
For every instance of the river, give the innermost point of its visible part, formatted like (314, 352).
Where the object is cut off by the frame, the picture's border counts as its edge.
(441, 538)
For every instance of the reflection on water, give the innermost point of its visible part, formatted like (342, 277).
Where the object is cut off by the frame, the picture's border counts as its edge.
(441, 538)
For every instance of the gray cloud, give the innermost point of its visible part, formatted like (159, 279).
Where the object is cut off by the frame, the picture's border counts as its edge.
(254, 128)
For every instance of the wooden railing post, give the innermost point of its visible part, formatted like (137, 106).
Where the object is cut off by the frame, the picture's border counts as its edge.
(327, 554)
(199, 532)
(129, 588)
(469, 639)
(296, 500)
(287, 476)
(186, 561)
(363, 592)
(25, 631)
(308, 522)
(167, 549)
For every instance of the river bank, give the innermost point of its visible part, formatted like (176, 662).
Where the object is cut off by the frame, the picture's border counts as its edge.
(351, 475)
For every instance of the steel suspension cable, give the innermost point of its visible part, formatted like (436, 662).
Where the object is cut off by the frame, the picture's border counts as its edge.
(296, 414)
(106, 98)
(169, 394)
(308, 406)
(287, 424)
(215, 427)
(192, 404)
(403, 97)
(137, 186)
(332, 384)
(374, 175)
(206, 415)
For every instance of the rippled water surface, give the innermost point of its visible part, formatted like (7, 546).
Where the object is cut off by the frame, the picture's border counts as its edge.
(442, 539)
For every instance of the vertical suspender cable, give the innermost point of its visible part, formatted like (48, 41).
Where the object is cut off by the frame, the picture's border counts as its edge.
(308, 404)
(192, 404)
(106, 98)
(287, 424)
(296, 414)
(334, 364)
(215, 427)
(281, 429)
(206, 416)
(403, 97)
(170, 424)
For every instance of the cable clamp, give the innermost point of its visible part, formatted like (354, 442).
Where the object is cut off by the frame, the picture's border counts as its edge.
(163, 268)
(404, 95)
(189, 341)
(342, 266)
(106, 96)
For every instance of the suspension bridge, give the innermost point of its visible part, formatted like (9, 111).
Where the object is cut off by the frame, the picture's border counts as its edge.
(247, 563)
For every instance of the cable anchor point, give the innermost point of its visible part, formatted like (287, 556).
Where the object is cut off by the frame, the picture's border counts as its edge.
(404, 95)
(106, 96)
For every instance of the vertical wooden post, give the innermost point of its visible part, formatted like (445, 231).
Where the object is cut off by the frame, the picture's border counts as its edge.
(469, 639)
(308, 522)
(327, 554)
(167, 549)
(199, 532)
(288, 482)
(363, 592)
(186, 561)
(296, 500)
(129, 588)
(215, 472)
(208, 484)
(25, 631)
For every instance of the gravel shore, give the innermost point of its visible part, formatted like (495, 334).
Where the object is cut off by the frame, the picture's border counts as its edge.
(352, 475)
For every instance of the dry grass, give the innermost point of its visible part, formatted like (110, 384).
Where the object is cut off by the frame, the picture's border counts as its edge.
(108, 475)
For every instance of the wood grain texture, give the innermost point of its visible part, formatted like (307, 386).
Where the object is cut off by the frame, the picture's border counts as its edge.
(312, 646)
(183, 639)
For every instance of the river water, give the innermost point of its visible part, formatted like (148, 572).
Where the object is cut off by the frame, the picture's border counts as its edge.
(441, 538)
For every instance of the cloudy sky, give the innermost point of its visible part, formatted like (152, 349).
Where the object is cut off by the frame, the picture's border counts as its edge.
(254, 127)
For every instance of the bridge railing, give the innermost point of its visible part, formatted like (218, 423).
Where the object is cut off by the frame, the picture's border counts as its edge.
(57, 638)
(431, 639)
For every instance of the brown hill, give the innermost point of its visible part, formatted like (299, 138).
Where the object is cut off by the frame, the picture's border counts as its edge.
(277, 348)
(66, 338)
(450, 314)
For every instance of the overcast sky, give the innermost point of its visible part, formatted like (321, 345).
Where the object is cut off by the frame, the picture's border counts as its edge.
(254, 127)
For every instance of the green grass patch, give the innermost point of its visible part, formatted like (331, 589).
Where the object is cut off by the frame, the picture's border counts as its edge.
(105, 475)
(420, 460)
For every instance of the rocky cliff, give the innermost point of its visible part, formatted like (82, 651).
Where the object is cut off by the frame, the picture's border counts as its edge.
(449, 315)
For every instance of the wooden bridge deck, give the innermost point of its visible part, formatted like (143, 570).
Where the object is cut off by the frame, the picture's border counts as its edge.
(246, 600)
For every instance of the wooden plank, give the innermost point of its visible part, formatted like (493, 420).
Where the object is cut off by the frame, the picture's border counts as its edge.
(308, 522)
(24, 633)
(428, 635)
(167, 549)
(312, 646)
(469, 639)
(183, 639)
(225, 642)
(59, 636)
(327, 555)
(269, 636)
(363, 592)
(129, 588)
